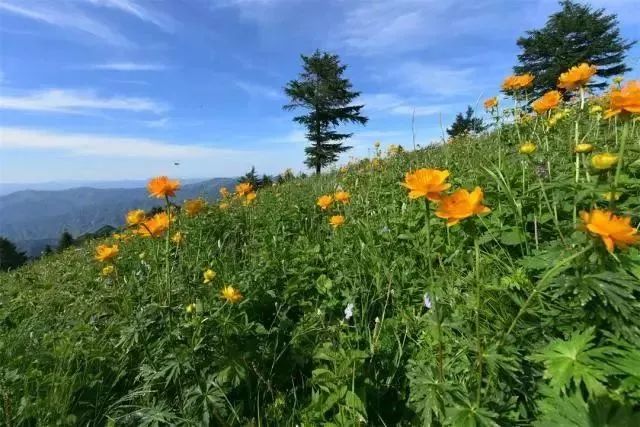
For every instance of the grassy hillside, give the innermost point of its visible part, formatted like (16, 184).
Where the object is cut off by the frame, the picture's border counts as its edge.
(517, 316)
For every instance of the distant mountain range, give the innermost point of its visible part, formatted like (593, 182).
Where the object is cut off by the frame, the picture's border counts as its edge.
(12, 187)
(33, 219)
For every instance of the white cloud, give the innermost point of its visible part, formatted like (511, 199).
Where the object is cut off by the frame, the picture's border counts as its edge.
(134, 8)
(57, 155)
(396, 105)
(66, 16)
(98, 145)
(129, 66)
(257, 89)
(434, 79)
(73, 101)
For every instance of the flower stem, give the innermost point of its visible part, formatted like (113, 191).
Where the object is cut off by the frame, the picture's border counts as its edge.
(436, 304)
(476, 246)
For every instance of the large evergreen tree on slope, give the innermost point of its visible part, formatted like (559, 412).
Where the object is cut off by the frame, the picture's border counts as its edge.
(575, 34)
(322, 90)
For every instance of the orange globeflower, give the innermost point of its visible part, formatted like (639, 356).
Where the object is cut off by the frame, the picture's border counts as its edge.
(547, 101)
(244, 188)
(324, 201)
(517, 82)
(460, 205)
(155, 226)
(231, 294)
(575, 77)
(626, 99)
(250, 198)
(194, 206)
(612, 229)
(336, 221)
(342, 197)
(427, 183)
(135, 217)
(162, 186)
(490, 103)
(106, 253)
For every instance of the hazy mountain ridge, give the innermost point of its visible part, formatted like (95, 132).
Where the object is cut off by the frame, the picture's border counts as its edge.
(35, 218)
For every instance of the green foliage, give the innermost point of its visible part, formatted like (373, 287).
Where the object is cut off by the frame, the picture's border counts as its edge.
(10, 257)
(575, 34)
(530, 320)
(326, 95)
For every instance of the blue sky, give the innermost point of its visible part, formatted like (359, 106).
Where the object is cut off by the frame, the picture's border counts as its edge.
(123, 89)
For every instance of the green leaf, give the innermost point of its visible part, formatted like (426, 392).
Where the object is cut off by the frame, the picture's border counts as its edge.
(576, 361)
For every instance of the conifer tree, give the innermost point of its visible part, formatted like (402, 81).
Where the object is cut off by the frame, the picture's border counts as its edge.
(465, 124)
(326, 96)
(575, 34)
(10, 257)
(66, 241)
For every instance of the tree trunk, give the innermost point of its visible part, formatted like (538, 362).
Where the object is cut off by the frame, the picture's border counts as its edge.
(317, 168)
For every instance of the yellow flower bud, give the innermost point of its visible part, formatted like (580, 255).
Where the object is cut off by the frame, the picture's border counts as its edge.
(528, 148)
(583, 148)
(209, 275)
(604, 161)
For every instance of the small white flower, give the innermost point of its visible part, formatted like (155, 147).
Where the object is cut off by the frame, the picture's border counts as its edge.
(427, 301)
(377, 319)
(348, 312)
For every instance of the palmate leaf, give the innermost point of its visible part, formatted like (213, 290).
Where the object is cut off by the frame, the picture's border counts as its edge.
(467, 414)
(574, 411)
(574, 362)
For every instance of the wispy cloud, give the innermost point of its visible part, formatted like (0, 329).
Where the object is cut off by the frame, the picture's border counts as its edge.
(152, 16)
(393, 104)
(129, 66)
(434, 79)
(257, 89)
(97, 145)
(73, 101)
(66, 16)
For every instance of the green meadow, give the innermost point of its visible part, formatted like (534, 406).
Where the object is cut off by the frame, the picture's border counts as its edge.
(524, 315)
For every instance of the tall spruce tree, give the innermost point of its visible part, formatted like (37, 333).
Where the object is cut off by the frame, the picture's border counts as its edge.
(326, 95)
(575, 34)
(465, 124)
(10, 257)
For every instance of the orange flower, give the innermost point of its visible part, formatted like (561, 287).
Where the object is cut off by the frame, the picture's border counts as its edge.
(250, 198)
(517, 82)
(490, 103)
(336, 221)
(342, 197)
(324, 201)
(135, 217)
(243, 188)
(155, 226)
(613, 230)
(162, 186)
(106, 253)
(427, 183)
(547, 101)
(194, 206)
(626, 99)
(460, 205)
(231, 294)
(576, 76)
(224, 192)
